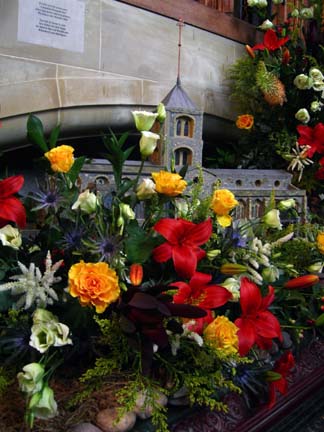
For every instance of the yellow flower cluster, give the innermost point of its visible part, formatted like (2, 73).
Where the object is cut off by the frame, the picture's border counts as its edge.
(61, 158)
(94, 283)
(223, 202)
(320, 242)
(169, 184)
(221, 334)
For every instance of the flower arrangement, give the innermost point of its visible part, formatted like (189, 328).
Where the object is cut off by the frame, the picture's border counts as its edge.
(126, 312)
(278, 88)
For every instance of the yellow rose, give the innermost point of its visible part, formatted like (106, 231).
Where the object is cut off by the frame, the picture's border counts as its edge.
(94, 283)
(245, 121)
(61, 158)
(168, 183)
(223, 202)
(320, 242)
(221, 334)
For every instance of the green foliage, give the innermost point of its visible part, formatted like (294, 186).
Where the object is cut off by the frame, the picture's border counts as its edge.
(35, 132)
(298, 252)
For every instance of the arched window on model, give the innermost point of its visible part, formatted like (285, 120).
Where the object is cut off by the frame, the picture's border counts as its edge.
(184, 126)
(183, 156)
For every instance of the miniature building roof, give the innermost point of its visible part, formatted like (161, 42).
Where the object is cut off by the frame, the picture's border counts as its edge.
(178, 98)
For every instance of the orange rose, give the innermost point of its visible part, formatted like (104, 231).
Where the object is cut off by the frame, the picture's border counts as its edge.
(94, 283)
(222, 335)
(245, 121)
(61, 158)
(169, 183)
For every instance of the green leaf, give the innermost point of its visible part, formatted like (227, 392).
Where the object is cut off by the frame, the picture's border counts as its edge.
(115, 154)
(76, 168)
(35, 132)
(139, 244)
(54, 136)
(319, 320)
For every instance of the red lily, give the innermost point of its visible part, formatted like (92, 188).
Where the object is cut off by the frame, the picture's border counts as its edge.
(314, 137)
(271, 42)
(283, 367)
(198, 293)
(11, 209)
(182, 245)
(257, 325)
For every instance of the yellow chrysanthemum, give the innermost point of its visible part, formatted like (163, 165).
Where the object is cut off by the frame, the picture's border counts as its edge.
(61, 158)
(169, 183)
(222, 335)
(94, 283)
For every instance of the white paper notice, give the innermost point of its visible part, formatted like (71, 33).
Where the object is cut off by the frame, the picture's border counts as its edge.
(52, 23)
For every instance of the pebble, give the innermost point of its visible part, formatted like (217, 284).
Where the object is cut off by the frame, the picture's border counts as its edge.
(85, 427)
(106, 420)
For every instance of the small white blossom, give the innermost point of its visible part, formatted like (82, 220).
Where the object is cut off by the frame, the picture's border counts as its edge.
(36, 289)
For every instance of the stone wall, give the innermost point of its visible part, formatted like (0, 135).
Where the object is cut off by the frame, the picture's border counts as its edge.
(129, 60)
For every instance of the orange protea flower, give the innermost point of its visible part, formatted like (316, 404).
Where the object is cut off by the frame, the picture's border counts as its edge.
(95, 284)
(245, 121)
(61, 158)
(223, 201)
(169, 183)
(302, 282)
(222, 335)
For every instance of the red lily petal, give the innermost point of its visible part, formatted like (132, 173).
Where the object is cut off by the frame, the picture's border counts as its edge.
(199, 279)
(246, 335)
(162, 253)
(267, 325)
(10, 186)
(11, 209)
(183, 293)
(250, 297)
(268, 299)
(272, 395)
(173, 229)
(271, 40)
(199, 233)
(215, 296)
(260, 47)
(281, 385)
(185, 261)
(200, 323)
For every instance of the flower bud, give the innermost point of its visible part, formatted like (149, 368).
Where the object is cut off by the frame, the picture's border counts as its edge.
(250, 51)
(316, 106)
(136, 274)
(270, 274)
(286, 204)
(144, 120)
(161, 113)
(316, 267)
(295, 13)
(10, 236)
(300, 282)
(87, 201)
(146, 189)
(266, 25)
(272, 219)
(302, 115)
(213, 254)
(126, 211)
(43, 316)
(306, 13)
(148, 143)
(232, 268)
(31, 379)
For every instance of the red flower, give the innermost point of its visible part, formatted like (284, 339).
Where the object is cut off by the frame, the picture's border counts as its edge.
(271, 42)
(11, 209)
(257, 325)
(314, 137)
(182, 245)
(198, 293)
(283, 367)
(304, 281)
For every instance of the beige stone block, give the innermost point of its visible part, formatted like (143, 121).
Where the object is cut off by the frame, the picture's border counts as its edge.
(99, 91)
(11, 46)
(138, 43)
(29, 96)
(15, 70)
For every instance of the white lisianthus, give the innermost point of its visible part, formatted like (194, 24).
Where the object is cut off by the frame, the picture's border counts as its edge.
(302, 115)
(10, 236)
(233, 286)
(144, 120)
(303, 82)
(148, 143)
(87, 202)
(266, 25)
(316, 106)
(42, 337)
(286, 204)
(306, 13)
(272, 219)
(161, 113)
(43, 404)
(31, 379)
(316, 74)
(146, 189)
